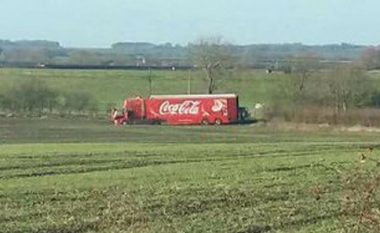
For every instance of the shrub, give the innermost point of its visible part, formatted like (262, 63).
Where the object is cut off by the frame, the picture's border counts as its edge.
(79, 101)
(33, 96)
(340, 96)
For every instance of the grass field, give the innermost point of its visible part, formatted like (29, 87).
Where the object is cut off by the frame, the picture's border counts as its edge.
(87, 176)
(111, 87)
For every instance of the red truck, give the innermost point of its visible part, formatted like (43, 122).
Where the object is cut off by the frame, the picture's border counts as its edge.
(182, 110)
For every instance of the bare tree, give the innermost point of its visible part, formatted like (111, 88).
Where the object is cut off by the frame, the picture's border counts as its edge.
(348, 86)
(212, 56)
(302, 68)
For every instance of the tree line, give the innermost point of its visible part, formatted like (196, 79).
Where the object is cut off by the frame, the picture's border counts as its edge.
(342, 94)
(14, 53)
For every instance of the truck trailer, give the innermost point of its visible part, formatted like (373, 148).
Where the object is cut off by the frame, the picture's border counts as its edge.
(182, 110)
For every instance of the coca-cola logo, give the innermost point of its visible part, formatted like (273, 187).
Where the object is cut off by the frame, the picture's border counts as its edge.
(187, 107)
(219, 105)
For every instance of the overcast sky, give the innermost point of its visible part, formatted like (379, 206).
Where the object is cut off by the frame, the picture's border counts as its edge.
(99, 23)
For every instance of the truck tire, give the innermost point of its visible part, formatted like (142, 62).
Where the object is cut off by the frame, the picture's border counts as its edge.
(218, 121)
(205, 122)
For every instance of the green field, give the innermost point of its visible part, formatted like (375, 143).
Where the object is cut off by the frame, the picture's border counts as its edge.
(88, 176)
(111, 87)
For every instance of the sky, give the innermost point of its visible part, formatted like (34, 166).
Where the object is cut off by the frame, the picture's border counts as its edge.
(100, 23)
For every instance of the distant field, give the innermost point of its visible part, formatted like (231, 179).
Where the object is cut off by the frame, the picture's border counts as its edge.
(87, 176)
(110, 87)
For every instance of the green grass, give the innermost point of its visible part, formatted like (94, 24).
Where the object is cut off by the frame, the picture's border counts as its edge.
(111, 87)
(87, 176)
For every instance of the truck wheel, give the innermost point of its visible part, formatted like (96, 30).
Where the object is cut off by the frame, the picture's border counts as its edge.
(218, 122)
(205, 122)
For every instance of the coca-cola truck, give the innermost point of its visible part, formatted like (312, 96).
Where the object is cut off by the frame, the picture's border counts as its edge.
(182, 110)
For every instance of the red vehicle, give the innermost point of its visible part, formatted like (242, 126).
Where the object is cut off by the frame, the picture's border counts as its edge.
(182, 110)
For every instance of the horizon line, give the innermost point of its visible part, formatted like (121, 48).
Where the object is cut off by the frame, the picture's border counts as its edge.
(183, 44)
